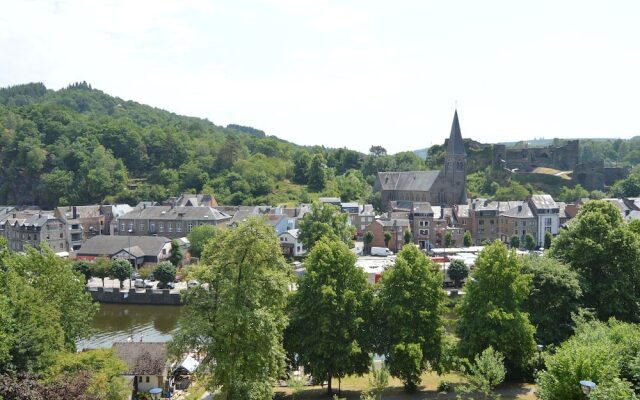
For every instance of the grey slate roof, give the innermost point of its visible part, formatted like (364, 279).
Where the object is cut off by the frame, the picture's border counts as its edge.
(91, 211)
(390, 222)
(455, 145)
(422, 208)
(520, 211)
(462, 211)
(176, 213)
(142, 358)
(409, 181)
(109, 245)
(543, 202)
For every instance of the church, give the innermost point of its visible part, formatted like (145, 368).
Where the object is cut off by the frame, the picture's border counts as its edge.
(446, 187)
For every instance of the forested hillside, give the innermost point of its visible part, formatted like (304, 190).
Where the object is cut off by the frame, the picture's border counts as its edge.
(79, 145)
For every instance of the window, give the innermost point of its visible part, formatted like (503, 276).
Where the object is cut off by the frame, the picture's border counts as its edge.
(190, 226)
(547, 229)
(481, 222)
(424, 223)
(131, 226)
(141, 226)
(61, 236)
(147, 379)
(178, 226)
(122, 227)
(423, 232)
(169, 227)
(516, 223)
(547, 222)
(152, 226)
(161, 227)
(140, 379)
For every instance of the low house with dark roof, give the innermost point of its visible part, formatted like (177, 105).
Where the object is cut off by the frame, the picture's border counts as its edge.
(138, 250)
(168, 221)
(147, 365)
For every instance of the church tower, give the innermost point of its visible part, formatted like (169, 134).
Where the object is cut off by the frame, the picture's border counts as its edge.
(455, 166)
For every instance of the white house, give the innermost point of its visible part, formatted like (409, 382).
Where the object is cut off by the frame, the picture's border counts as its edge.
(147, 365)
(547, 212)
(291, 246)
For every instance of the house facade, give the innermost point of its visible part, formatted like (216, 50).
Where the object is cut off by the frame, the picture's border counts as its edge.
(291, 245)
(395, 227)
(32, 228)
(547, 213)
(168, 221)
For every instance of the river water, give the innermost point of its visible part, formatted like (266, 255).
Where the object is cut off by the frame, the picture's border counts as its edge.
(117, 322)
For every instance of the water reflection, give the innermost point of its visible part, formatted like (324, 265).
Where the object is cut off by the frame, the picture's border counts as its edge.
(118, 322)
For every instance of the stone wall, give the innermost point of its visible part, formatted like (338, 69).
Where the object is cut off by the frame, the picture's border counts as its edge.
(132, 296)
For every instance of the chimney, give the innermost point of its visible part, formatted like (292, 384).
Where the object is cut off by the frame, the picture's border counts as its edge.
(144, 206)
(520, 207)
(75, 212)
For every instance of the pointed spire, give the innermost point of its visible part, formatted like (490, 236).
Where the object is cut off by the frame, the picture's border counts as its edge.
(455, 145)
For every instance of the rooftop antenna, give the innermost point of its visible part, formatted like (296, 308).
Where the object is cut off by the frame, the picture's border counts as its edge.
(456, 104)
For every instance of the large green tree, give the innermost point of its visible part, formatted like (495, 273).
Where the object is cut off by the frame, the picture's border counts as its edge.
(411, 307)
(600, 247)
(239, 319)
(554, 297)
(325, 220)
(165, 272)
(199, 237)
(490, 312)
(329, 313)
(175, 255)
(121, 270)
(316, 175)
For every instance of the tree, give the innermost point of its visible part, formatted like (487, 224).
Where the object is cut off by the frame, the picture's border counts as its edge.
(458, 271)
(547, 240)
(316, 174)
(569, 195)
(387, 238)
(490, 312)
(408, 237)
(121, 269)
(199, 237)
(600, 352)
(485, 373)
(301, 161)
(378, 381)
(529, 242)
(447, 239)
(411, 307)
(83, 268)
(53, 278)
(175, 256)
(467, 241)
(377, 151)
(239, 321)
(165, 272)
(101, 268)
(104, 370)
(329, 312)
(325, 220)
(605, 253)
(553, 299)
(515, 242)
(368, 239)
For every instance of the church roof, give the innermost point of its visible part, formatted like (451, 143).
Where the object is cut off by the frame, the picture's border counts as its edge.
(455, 145)
(420, 181)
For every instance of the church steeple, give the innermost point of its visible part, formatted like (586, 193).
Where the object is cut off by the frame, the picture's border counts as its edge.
(455, 145)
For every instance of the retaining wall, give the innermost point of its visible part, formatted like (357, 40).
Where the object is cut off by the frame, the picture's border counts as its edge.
(132, 296)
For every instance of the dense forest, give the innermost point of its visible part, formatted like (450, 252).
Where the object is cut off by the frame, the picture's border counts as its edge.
(79, 145)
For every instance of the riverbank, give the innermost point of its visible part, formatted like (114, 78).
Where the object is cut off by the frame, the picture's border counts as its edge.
(156, 297)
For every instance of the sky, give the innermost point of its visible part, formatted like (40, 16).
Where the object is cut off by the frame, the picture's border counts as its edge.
(346, 73)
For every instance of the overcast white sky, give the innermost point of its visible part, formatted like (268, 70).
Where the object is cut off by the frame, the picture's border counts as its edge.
(347, 73)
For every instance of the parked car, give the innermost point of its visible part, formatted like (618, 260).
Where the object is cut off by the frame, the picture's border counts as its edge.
(381, 251)
(142, 284)
(193, 283)
(168, 285)
(135, 275)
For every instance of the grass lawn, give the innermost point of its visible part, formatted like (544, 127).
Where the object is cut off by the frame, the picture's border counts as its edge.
(353, 385)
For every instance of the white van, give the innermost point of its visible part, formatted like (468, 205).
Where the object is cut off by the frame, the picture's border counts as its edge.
(381, 251)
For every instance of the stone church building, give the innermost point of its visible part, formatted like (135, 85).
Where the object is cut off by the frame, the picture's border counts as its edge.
(446, 187)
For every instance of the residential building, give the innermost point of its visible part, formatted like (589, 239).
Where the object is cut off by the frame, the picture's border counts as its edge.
(362, 219)
(518, 221)
(147, 365)
(192, 200)
(291, 246)
(168, 221)
(111, 213)
(422, 225)
(32, 228)
(445, 187)
(138, 250)
(547, 212)
(395, 227)
(82, 222)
